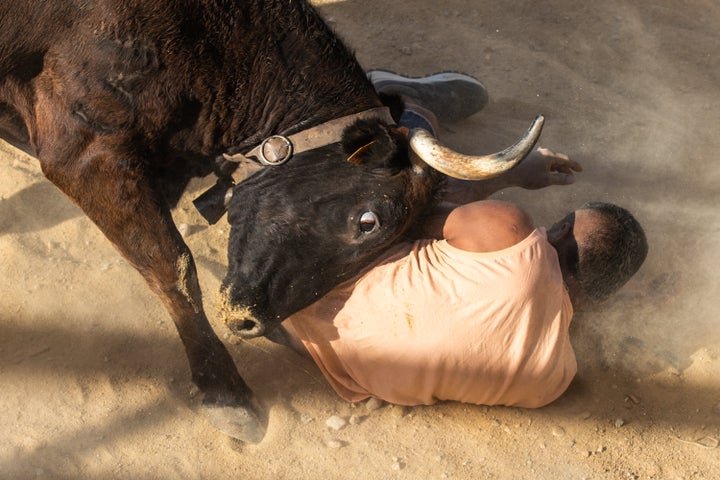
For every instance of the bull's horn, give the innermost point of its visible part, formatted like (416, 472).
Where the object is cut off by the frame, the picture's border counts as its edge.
(469, 167)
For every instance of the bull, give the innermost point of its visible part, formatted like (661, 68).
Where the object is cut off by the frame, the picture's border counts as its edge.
(124, 101)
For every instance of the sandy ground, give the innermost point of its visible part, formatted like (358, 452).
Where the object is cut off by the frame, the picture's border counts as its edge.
(93, 377)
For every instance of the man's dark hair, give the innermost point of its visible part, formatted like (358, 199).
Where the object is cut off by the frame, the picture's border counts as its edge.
(612, 253)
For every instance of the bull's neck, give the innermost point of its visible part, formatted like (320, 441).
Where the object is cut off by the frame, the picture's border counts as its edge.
(300, 75)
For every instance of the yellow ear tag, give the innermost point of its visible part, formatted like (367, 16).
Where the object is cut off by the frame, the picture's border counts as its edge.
(355, 157)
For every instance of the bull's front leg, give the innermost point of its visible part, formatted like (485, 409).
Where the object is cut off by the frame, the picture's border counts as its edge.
(109, 183)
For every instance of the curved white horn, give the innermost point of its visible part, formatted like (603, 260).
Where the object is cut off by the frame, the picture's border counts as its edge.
(468, 167)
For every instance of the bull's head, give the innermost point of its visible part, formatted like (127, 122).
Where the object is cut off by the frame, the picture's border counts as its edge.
(299, 230)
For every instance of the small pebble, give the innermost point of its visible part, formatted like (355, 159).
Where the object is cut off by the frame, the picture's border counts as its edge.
(399, 411)
(335, 422)
(558, 431)
(397, 464)
(709, 442)
(334, 444)
(306, 419)
(356, 419)
(619, 422)
(183, 228)
(373, 404)
(585, 415)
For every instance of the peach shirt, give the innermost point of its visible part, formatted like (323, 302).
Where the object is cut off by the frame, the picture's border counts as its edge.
(431, 322)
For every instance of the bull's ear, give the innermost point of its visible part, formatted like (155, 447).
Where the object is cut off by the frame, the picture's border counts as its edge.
(372, 144)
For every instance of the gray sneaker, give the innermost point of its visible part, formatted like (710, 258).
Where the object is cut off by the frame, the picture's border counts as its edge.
(449, 95)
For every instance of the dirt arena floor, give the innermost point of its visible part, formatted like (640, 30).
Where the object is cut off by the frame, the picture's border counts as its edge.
(94, 382)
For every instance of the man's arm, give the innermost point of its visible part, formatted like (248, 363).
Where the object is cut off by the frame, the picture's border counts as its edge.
(540, 169)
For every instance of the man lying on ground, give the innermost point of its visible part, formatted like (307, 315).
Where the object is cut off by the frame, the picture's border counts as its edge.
(479, 310)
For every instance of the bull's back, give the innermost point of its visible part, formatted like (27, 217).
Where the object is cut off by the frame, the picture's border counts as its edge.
(27, 29)
(115, 64)
(181, 75)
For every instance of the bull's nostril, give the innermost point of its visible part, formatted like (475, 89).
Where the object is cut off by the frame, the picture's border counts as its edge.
(246, 328)
(247, 325)
(239, 318)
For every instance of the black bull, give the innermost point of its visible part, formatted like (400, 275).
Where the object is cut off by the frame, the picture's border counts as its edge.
(123, 101)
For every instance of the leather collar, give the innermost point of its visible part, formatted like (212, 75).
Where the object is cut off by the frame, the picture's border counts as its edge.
(278, 149)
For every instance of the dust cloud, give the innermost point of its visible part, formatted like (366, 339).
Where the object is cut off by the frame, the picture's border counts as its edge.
(640, 113)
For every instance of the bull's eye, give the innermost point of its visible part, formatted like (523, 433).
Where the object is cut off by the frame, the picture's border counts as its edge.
(369, 222)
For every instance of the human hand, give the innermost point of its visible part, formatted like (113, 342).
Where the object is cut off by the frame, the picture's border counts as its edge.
(543, 168)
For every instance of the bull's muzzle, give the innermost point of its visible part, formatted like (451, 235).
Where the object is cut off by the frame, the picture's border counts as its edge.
(239, 319)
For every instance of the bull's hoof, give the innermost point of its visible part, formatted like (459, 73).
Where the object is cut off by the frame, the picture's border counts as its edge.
(242, 422)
